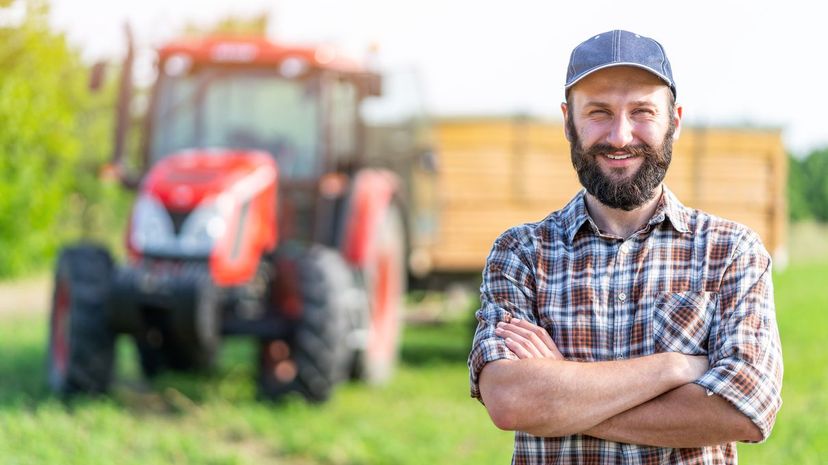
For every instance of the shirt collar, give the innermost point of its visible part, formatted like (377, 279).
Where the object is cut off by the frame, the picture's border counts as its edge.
(670, 207)
(574, 215)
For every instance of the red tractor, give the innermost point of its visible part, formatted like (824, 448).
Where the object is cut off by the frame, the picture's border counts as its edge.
(258, 212)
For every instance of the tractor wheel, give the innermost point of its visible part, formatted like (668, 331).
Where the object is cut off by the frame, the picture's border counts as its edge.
(81, 345)
(194, 350)
(317, 355)
(385, 281)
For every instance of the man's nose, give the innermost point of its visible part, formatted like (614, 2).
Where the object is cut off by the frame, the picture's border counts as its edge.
(621, 132)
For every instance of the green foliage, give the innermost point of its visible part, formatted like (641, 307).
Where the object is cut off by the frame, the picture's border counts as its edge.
(51, 142)
(798, 207)
(808, 187)
(815, 177)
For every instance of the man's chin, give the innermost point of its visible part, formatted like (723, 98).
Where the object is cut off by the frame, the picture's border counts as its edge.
(620, 173)
(627, 198)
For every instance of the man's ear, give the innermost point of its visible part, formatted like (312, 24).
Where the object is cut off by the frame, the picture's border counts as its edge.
(677, 118)
(565, 111)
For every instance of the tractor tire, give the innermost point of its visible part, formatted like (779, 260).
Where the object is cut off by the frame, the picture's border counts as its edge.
(81, 344)
(317, 355)
(160, 349)
(385, 282)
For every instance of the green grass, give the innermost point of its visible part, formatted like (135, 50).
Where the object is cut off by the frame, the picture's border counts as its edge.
(423, 416)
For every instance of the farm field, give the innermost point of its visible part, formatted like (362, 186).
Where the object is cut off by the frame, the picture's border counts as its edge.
(423, 416)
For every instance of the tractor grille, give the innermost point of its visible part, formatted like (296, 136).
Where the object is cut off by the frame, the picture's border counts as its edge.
(178, 218)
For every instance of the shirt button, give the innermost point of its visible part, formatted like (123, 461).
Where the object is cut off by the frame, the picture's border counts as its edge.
(619, 356)
(622, 297)
(625, 248)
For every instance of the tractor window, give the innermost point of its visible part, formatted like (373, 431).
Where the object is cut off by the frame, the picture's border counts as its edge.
(242, 109)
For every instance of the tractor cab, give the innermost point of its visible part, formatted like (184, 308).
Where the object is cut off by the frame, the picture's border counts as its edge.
(298, 104)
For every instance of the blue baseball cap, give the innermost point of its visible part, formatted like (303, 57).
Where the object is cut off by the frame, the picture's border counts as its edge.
(618, 48)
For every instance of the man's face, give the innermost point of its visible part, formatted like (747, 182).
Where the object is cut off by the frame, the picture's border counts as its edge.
(620, 123)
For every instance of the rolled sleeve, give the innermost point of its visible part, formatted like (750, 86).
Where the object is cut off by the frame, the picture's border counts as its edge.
(507, 291)
(745, 350)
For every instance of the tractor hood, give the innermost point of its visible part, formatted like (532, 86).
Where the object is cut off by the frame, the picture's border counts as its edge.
(183, 180)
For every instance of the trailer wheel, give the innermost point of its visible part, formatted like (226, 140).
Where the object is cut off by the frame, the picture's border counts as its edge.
(316, 356)
(385, 281)
(81, 344)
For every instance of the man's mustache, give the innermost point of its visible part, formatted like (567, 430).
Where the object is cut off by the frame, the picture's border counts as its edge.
(635, 150)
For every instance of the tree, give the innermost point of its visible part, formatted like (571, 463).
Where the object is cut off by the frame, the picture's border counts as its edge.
(798, 207)
(50, 143)
(808, 187)
(815, 177)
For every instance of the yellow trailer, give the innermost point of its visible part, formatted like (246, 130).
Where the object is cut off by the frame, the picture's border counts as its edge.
(499, 172)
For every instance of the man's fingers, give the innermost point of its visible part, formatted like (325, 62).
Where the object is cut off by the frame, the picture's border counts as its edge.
(513, 339)
(522, 337)
(526, 339)
(541, 333)
(537, 335)
(519, 349)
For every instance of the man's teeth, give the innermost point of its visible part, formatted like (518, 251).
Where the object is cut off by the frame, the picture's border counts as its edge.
(618, 157)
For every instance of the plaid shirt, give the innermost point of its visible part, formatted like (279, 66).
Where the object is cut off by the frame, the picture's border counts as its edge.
(687, 282)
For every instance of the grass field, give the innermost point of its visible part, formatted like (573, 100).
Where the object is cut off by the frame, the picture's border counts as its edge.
(423, 416)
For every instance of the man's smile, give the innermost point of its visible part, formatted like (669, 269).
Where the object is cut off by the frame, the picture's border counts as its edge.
(618, 157)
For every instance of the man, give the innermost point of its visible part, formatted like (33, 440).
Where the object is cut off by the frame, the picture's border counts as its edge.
(626, 327)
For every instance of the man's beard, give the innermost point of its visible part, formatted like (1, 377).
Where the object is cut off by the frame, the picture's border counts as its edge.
(626, 193)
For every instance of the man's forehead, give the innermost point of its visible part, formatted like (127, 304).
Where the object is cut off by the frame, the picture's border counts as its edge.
(625, 81)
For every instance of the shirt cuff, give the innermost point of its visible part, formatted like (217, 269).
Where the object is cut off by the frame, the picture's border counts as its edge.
(747, 389)
(485, 351)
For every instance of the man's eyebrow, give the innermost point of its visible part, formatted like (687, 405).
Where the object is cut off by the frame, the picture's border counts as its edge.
(643, 103)
(596, 103)
(636, 103)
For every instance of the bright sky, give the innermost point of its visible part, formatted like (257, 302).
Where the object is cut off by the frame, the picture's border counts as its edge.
(756, 63)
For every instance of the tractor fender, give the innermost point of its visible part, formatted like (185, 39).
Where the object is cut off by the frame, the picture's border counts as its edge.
(372, 192)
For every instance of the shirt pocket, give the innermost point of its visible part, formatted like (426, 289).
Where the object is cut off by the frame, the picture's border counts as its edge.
(682, 320)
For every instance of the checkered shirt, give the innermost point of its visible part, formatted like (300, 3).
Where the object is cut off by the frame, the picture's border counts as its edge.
(687, 282)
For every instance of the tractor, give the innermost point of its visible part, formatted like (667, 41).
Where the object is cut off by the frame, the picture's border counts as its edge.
(258, 212)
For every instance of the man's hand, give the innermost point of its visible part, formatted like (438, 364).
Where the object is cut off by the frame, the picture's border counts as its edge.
(527, 340)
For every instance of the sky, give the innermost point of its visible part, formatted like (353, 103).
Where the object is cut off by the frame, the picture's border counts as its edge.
(736, 63)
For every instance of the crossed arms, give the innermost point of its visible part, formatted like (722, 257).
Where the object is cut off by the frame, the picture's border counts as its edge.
(666, 399)
(646, 400)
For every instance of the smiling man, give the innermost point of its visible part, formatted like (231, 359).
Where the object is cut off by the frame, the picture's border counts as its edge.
(626, 327)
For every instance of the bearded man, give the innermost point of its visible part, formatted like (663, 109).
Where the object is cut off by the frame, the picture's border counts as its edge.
(626, 327)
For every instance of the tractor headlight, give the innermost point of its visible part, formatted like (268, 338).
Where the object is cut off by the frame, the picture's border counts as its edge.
(152, 229)
(202, 229)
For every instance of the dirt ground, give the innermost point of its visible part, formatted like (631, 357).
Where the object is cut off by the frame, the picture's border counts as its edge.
(31, 294)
